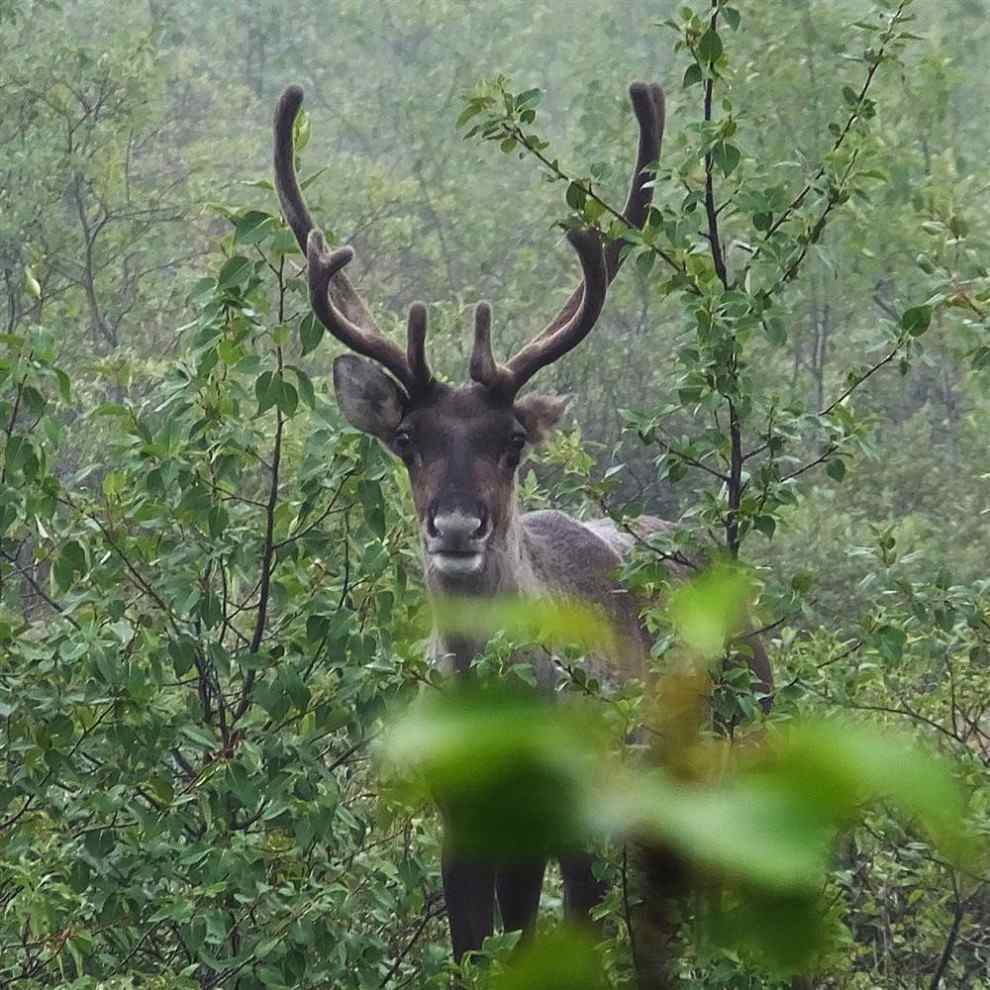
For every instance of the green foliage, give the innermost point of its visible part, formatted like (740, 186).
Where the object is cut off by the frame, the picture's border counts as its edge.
(208, 586)
(518, 778)
(223, 601)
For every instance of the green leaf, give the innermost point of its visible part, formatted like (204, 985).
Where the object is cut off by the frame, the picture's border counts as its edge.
(710, 46)
(373, 503)
(527, 620)
(473, 108)
(835, 468)
(766, 525)
(31, 284)
(732, 17)
(645, 262)
(235, 271)
(709, 609)
(726, 156)
(34, 402)
(576, 196)
(304, 184)
(692, 75)
(751, 829)
(775, 331)
(306, 391)
(70, 562)
(183, 654)
(253, 228)
(564, 959)
(916, 320)
(310, 333)
(839, 766)
(111, 409)
(288, 398)
(508, 769)
(267, 389)
(529, 99)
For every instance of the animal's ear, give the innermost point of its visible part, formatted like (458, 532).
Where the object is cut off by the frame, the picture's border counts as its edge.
(369, 399)
(539, 414)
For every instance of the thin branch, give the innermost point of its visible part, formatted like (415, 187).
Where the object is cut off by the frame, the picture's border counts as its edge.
(714, 239)
(856, 113)
(832, 406)
(950, 942)
(517, 134)
(268, 553)
(827, 411)
(37, 589)
(431, 913)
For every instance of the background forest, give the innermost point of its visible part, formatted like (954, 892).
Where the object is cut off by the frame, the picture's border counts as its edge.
(210, 594)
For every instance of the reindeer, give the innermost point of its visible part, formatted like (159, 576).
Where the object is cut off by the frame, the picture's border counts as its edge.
(462, 446)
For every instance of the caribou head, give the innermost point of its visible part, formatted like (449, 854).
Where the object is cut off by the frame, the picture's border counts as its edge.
(461, 444)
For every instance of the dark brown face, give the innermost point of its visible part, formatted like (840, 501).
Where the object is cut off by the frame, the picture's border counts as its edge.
(461, 446)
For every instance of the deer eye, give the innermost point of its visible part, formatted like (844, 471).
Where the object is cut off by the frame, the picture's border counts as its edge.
(514, 454)
(402, 443)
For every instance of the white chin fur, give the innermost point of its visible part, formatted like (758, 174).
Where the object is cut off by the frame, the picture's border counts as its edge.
(456, 565)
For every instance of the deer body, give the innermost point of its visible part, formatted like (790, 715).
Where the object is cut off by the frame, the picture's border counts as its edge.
(551, 555)
(462, 446)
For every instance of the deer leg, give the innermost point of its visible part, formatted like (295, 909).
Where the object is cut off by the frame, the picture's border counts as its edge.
(582, 890)
(518, 888)
(469, 892)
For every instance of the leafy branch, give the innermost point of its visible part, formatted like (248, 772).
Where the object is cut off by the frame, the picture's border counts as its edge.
(861, 107)
(505, 119)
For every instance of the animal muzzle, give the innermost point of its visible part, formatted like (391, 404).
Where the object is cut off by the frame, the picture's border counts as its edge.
(457, 535)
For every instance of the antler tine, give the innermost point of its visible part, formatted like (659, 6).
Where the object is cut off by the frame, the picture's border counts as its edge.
(336, 304)
(649, 107)
(286, 185)
(484, 369)
(416, 344)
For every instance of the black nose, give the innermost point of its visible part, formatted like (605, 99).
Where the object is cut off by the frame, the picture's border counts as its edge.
(457, 522)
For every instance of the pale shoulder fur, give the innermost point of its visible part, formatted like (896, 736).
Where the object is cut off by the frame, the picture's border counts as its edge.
(580, 560)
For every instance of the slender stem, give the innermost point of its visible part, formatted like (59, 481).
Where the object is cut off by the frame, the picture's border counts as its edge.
(830, 408)
(735, 486)
(431, 913)
(950, 942)
(718, 258)
(267, 560)
(37, 589)
(627, 910)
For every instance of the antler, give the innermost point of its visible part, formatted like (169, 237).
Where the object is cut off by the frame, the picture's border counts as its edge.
(579, 314)
(333, 298)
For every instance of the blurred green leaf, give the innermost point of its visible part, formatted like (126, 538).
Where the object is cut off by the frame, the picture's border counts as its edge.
(708, 610)
(546, 621)
(510, 771)
(559, 960)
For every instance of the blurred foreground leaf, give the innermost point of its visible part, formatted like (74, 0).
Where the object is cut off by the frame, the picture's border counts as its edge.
(839, 766)
(545, 621)
(745, 830)
(559, 960)
(509, 771)
(708, 610)
(517, 777)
